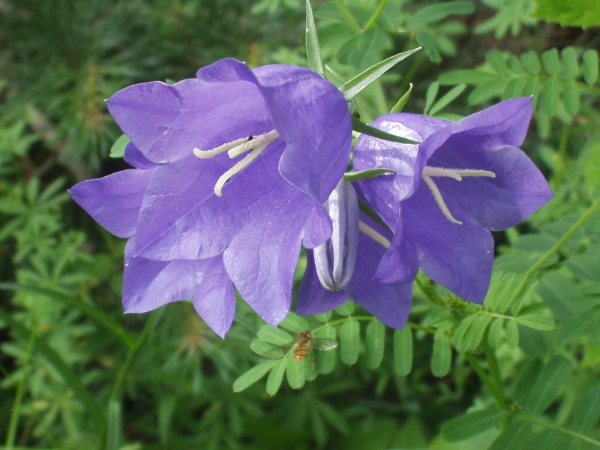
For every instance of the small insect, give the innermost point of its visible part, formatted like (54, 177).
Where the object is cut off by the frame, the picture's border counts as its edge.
(302, 345)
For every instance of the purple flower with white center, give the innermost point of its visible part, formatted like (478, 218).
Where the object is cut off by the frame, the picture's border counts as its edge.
(202, 214)
(464, 180)
(344, 266)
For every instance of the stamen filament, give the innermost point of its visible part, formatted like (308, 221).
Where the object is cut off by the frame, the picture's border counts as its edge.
(205, 154)
(377, 237)
(253, 142)
(457, 174)
(255, 153)
(437, 195)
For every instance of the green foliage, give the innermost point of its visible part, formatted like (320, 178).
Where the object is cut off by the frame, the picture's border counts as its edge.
(519, 372)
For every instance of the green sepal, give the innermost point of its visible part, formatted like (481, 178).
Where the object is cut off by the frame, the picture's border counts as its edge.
(352, 87)
(362, 127)
(366, 174)
(313, 51)
(400, 105)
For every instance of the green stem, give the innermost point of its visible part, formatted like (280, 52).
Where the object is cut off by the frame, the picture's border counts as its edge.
(113, 428)
(490, 355)
(376, 14)
(495, 390)
(343, 9)
(414, 326)
(562, 240)
(542, 423)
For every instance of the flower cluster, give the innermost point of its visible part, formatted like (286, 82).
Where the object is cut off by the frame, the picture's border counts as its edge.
(235, 170)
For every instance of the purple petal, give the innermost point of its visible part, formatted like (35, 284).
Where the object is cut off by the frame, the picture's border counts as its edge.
(312, 117)
(214, 299)
(318, 227)
(459, 257)
(115, 200)
(400, 263)
(134, 157)
(167, 122)
(312, 297)
(262, 258)
(518, 189)
(389, 303)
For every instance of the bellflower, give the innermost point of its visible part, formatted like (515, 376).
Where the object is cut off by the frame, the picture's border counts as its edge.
(464, 180)
(344, 266)
(231, 170)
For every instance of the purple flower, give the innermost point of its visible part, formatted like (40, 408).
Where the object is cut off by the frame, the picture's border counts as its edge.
(465, 180)
(200, 214)
(344, 266)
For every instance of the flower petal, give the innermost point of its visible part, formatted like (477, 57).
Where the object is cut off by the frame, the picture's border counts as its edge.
(134, 157)
(115, 200)
(312, 298)
(312, 117)
(214, 299)
(262, 258)
(459, 257)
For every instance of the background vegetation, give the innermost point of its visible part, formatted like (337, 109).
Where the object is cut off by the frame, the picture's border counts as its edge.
(519, 372)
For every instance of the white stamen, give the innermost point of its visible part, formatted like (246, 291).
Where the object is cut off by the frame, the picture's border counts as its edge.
(255, 153)
(439, 200)
(377, 237)
(205, 154)
(253, 142)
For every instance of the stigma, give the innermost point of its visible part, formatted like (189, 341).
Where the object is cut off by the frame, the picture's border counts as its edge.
(431, 172)
(253, 145)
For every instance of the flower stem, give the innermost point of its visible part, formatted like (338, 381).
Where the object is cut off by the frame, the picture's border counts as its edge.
(113, 429)
(343, 9)
(376, 14)
(563, 239)
(495, 390)
(490, 355)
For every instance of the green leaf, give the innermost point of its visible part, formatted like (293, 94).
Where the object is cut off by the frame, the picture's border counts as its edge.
(571, 97)
(332, 416)
(550, 97)
(400, 104)
(587, 410)
(551, 62)
(273, 335)
(486, 91)
(366, 174)
(465, 76)
(363, 79)
(349, 341)
(551, 379)
(362, 51)
(403, 351)
(437, 12)
(427, 40)
(118, 148)
(513, 436)
(432, 92)
(569, 59)
(580, 13)
(325, 360)
(72, 380)
(526, 378)
(537, 322)
(498, 63)
(495, 333)
(472, 424)
(458, 340)
(253, 375)
(590, 66)
(531, 62)
(323, 317)
(475, 333)
(295, 371)
(512, 334)
(448, 98)
(261, 347)
(514, 89)
(374, 344)
(313, 51)
(346, 309)
(276, 376)
(442, 355)
(582, 324)
(294, 323)
(362, 127)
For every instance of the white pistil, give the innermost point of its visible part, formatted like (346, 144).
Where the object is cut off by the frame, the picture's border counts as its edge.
(255, 153)
(457, 174)
(377, 237)
(253, 144)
